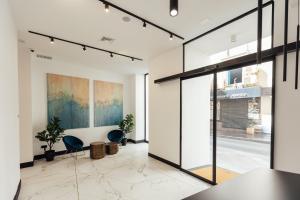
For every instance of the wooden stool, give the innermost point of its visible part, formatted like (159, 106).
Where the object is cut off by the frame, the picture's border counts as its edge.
(97, 150)
(112, 148)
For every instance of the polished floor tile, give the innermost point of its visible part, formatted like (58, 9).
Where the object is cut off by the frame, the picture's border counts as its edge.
(128, 175)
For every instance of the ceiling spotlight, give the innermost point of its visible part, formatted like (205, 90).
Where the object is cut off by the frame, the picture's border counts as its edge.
(111, 55)
(106, 6)
(84, 48)
(173, 7)
(132, 59)
(144, 25)
(171, 36)
(52, 40)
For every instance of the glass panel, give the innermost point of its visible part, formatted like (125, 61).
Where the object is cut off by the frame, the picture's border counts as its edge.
(244, 102)
(234, 40)
(196, 126)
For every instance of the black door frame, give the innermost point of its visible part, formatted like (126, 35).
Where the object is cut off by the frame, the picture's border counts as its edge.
(214, 72)
(214, 156)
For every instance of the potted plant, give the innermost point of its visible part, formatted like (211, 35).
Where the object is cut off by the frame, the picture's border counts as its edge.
(52, 135)
(251, 127)
(127, 126)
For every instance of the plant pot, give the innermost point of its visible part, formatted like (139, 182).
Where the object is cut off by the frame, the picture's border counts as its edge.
(49, 155)
(124, 141)
(250, 131)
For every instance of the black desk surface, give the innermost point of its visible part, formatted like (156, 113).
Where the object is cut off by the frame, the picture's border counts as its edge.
(262, 184)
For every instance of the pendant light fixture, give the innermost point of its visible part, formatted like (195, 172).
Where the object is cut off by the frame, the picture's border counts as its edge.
(106, 8)
(173, 8)
(51, 40)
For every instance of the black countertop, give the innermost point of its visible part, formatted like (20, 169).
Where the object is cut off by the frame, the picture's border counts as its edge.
(261, 184)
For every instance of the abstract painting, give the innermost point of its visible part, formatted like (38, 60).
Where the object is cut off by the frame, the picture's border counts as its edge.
(68, 99)
(108, 103)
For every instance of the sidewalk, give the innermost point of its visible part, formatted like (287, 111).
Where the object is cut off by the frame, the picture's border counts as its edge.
(242, 135)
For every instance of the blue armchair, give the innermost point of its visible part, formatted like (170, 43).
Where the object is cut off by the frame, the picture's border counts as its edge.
(115, 136)
(73, 144)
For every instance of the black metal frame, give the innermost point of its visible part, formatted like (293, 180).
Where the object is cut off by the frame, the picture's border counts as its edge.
(214, 164)
(84, 45)
(286, 26)
(244, 61)
(143, 20)
(232, 64)
(145, 108)
(259, 30)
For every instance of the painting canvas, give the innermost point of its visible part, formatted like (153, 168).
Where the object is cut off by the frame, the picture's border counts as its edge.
(108, 105)
(68, 99)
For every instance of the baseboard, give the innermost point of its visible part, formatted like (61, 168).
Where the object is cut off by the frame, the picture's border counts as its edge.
(57, 153)
(164, 160)
(136, 141)
(26, 164)
(18, 191)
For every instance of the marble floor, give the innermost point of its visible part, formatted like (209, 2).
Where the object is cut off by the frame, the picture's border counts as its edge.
(128, 175)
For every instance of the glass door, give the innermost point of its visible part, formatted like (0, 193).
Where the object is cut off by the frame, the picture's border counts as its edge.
(197, 115)
(244, 120)
(242, 123)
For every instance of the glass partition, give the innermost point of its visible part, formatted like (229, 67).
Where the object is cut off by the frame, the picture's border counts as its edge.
(244, 107)
(234, 40)
(196, 126)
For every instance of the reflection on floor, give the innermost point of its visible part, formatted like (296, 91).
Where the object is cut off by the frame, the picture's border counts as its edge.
(128, 175)
(222, 174)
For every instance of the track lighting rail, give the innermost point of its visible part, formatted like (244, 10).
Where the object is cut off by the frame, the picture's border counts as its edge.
(84, 46)
(143, 20)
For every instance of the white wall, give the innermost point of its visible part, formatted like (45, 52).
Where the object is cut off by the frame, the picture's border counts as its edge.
(287, 136)
(164, 106)
(26, 148)
(9, 109)
(40, 67)
(139, 108)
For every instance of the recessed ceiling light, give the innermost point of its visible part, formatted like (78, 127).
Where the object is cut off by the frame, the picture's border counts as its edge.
(126, 19)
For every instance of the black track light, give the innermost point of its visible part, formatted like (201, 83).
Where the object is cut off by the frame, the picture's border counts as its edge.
(83, 46)
(171, 36)
(144, 25)
(52, 40)
(106, 6)
(173, 7)
(132, 59)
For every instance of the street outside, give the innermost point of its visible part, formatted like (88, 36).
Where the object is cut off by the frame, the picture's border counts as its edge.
(242, 156)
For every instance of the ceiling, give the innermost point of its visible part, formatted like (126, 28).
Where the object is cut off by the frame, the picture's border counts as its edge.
(85, 21)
